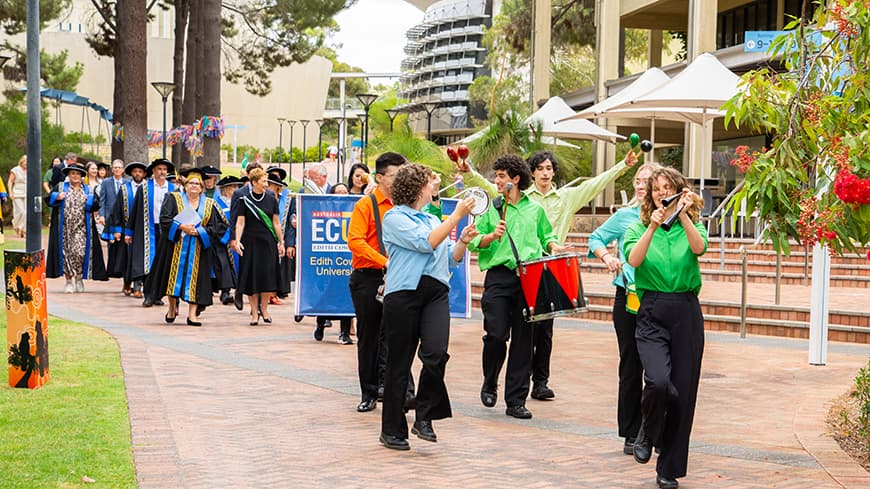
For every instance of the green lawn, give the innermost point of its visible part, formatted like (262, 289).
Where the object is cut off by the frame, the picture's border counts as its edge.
(76, 425)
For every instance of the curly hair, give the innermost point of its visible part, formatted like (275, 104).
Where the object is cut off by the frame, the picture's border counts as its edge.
(514, 166)
(540, 157)
(678, 182)
(256, 174)
(409, 182)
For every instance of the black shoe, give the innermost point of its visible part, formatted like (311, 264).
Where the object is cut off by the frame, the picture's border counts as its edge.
(642, 447)
(394, 442)
(237, 300)
(298, 319)
(318, 333)
(366, 405)
(519, 412)
(159, 302)
(344, 339)
(226, 297)
(327, 323)
(169, 319)
(488, 398)
(542, 393)
(193, 323)
(147, 302)
(628, 448)
(666, 482)
(380, 393)
(410, 402)
(423, 430)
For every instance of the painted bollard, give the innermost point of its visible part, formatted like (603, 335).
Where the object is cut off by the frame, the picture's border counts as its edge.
(26, 319)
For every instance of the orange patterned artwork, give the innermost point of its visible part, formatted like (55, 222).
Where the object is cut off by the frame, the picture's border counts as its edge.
(26, 319)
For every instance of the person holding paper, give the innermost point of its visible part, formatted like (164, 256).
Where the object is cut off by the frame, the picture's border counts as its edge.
(190, 224)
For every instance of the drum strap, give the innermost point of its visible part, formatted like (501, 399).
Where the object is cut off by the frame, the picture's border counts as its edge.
(498, 204)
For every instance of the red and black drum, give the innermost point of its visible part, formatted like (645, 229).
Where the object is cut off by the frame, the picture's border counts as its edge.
(552, 286)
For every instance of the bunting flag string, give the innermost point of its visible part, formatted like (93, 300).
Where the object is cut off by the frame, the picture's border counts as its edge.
(190, 136)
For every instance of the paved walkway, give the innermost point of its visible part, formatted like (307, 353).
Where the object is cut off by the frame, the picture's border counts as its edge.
(234, 406)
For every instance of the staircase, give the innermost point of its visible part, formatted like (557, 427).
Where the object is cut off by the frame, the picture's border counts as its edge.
(849, 314)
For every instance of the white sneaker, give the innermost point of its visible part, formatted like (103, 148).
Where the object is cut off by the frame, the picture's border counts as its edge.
(69, 289)
(80, 286)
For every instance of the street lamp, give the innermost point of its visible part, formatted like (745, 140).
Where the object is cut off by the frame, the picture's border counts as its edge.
(304, 123)
(281, 135)
(319, 138)
(367, 100)
(292, 125)
(429, 107)
(164, 89)
(392, 113)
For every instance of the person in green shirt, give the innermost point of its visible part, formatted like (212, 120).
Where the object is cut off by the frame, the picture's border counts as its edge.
(514, 227)
(670, 326)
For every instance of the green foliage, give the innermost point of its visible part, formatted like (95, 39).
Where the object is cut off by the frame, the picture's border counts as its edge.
(862, 395)
(76, 137)
(79, 420)
(506, 134)
(818, 112)
(572, 23)
(13, 126)
(499, 96)
(53, 71)
(13, 14)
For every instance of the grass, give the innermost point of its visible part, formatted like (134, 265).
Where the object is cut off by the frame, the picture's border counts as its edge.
(76, 425)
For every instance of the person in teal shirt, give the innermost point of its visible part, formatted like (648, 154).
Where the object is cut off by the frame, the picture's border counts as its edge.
(630, 368)
(514, 227)
(670, 326)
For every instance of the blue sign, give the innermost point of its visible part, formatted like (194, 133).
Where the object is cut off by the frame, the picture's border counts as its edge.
(760, 41)
(323, 260)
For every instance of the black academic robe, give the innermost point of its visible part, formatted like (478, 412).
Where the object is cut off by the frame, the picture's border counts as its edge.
(183, 264)
(224, 266)
(93, 267)
(143, 230)
(117, 222)
(286, 267)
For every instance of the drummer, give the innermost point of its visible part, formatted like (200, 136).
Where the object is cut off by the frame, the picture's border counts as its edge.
(560, 205)
(513, 228)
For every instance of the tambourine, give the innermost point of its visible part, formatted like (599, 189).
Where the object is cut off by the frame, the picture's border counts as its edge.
(481, 200)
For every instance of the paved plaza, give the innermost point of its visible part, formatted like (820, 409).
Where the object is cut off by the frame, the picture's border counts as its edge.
(234, 406)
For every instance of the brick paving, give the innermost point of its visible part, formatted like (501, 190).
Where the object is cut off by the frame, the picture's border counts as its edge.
(230, 405)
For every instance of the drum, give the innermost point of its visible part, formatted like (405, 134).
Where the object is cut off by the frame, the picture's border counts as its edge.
(552, 286)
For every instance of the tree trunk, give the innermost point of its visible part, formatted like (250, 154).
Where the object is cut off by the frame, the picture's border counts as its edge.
(188, 108)
(181, 11)
(211, 75)
(133, 55)
(119, 94)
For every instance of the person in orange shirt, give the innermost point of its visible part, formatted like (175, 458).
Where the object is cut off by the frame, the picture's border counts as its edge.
(369, 262)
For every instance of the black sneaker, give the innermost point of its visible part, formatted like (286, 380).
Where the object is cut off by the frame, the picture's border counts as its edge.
(519, 412)
(542, 393)
(344, 339)
(628, 447)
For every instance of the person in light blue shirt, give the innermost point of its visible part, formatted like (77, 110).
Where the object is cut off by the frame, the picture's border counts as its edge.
(416, 306)
(630, 368)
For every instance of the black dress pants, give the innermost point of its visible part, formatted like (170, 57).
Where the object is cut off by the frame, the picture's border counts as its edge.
(670, 341)
(542, 348)
(411, 318)
(364, 285)
(502, 305)
(628, 414)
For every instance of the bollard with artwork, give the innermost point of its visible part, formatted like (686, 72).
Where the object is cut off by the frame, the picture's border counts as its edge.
(26, 319)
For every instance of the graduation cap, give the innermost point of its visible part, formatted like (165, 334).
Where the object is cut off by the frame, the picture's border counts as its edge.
(277, 175)
(210, 171)
(161, 161)
(229, 180)
(75, 167)
(132, 166)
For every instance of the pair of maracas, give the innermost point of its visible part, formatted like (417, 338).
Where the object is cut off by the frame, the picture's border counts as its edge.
(645, 145)
(459, 155)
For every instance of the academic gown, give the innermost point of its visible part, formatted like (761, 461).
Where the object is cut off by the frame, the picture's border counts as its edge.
(141, 226)
(117, 221)
(286, 267)
(224, 267)
(182, 264)
(93, 267)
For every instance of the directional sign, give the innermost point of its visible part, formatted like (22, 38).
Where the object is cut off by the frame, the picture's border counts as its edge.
(760, 41)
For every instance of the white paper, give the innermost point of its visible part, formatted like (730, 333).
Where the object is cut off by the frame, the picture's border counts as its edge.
(187, 216)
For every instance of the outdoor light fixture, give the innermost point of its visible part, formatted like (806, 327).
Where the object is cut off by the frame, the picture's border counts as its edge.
(164, 89)
(304, 123)
(367, 99)
(392, 113)
(429, 107)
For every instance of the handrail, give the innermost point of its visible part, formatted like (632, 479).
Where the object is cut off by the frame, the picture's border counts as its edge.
(718, 212)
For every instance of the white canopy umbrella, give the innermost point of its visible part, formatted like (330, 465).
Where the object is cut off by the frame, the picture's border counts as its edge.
(556, 110)
(705, 84)
(545, 139)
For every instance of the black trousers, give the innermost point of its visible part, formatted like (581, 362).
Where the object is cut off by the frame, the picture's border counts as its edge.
(344, 321)
(542, 348)
(411, 318)
(502, 304)
(364, 285)
(670, 341)
(628, 413)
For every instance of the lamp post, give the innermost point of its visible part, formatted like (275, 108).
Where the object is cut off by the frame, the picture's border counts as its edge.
(367, 99)
(319, 138)
(392, 113)
(429, 107)
(292, 124)
(304, 123)
(281, 135)
(164, 89)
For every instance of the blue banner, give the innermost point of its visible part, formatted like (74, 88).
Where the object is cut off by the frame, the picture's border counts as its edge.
(323, 260)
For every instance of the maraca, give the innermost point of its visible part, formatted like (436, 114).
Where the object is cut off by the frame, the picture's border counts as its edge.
(452, 154)
(633, 140)
(462, 151)
(646, 146)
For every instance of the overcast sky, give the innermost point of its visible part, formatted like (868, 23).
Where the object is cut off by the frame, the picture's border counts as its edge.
(372, 34)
